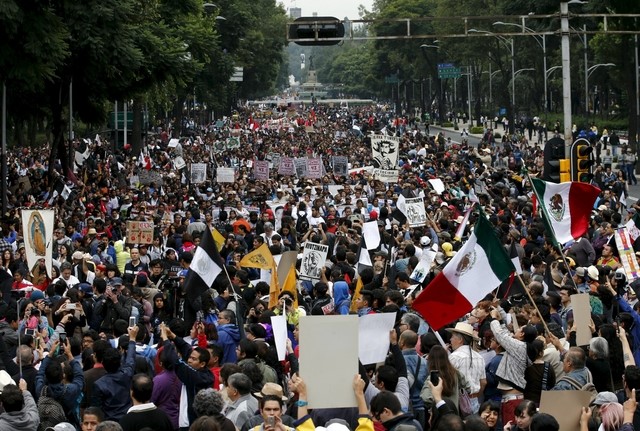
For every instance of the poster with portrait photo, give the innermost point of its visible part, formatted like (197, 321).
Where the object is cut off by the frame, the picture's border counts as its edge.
(340, 166)
(314, 257)
(384, 150)
(414, 211)
(198, 173)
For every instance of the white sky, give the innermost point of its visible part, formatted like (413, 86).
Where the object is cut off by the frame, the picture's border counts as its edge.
(336, 8)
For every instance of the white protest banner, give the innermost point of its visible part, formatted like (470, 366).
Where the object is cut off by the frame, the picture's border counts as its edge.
(286, 166)
(627, 254)
(385, 151)
(386, 175)
(261, 170)
(416, 215)
(225, 175)
(371, 234)
(314, 257)
(301, 167)
(179, 163)
(424, 266)
(340, 166)
(328, 372)
(173, 143)
(37, 228)
(437, 185)
(198, 173)
(314, 168)
(373, 337)
(140, 232)
(279, 328)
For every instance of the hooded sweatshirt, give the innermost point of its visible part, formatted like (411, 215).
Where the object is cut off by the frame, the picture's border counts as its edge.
(26, 419)
(228, 339)
(341, 297)
(122, 257)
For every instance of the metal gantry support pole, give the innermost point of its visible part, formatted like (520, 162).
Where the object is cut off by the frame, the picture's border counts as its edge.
(3, 186)
(586, 73)
(566, 76)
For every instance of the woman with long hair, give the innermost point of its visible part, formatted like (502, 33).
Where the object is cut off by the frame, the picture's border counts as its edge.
(524, 412)
(7, 261)
(438, 360)
(490, 413)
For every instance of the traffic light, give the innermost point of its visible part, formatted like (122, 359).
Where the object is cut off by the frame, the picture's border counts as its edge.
(565, 170)
(554, 162)
(582, 161)
(318, 28)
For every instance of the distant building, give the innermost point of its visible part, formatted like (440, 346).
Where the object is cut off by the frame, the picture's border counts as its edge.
(295, 12)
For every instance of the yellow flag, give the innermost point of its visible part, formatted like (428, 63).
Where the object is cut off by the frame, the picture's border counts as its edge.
(217, 236)
(258, 258)
(356, 293)
(274, 288)
(290, 285)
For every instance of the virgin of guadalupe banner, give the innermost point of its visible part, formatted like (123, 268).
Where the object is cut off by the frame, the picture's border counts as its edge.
(37, 228)
(261, 170)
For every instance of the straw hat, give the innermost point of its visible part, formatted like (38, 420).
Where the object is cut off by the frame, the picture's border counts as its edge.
(464, 329)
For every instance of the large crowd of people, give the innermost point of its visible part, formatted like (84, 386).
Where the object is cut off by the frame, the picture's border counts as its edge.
(106, 342)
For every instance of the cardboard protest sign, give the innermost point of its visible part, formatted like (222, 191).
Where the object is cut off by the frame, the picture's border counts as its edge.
(179, 163)
(415, 212)
(373, 337)
(148, 177)
(314, 257)
(314, 168)
(301, 166)
(627, 254)
(328, 372)
(565, 406)
(286, 166)
(198, 173)
(385, 151)
(225, 175)
(139, 232)
(340, 166)
(371, 235)
(261, 170)
(581, 318)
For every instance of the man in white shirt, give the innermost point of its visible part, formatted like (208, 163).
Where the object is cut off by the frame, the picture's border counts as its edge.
(468, 361)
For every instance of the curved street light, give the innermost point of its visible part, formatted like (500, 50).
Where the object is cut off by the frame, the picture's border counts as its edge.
(507, 42)
(551, 69)
(595, 66)
(542, 41)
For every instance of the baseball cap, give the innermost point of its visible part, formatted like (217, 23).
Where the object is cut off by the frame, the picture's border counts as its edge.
(62, 426)
(604, 398)
(116, 281)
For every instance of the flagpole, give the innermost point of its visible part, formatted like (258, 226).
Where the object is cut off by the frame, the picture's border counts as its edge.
(546, 328)
(555, 241)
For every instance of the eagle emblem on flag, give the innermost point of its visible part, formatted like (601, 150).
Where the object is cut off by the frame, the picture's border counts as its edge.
(556, 207)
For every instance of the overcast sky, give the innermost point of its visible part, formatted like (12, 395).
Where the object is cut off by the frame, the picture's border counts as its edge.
(336, 8)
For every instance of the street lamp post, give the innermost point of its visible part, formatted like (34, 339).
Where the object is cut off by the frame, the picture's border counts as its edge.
(542, 41)
(587, 74)
(506, 42)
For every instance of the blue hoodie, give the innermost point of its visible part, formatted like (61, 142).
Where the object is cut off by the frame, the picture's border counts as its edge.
(341, 297)
(228, 339)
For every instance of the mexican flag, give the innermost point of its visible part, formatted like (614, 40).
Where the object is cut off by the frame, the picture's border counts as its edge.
(566, 206)
(478, 268)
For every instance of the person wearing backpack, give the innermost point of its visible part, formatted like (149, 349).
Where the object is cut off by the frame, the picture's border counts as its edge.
(51, 388)
(577, 376)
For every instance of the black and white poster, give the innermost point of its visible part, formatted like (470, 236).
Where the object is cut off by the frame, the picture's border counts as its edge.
(414, 211)
(301, 167)
(340, 166)
(198, 173)
(314, 257)
(385, 151)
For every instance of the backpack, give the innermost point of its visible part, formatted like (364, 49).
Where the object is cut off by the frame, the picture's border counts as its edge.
(302, 225)
(50, 411)
(587, 387)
